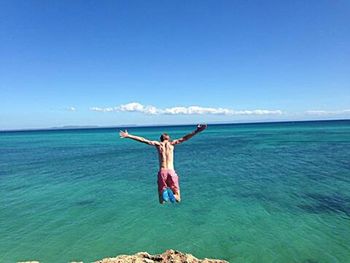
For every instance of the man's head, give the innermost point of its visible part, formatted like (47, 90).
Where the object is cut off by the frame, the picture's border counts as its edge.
(164, 137)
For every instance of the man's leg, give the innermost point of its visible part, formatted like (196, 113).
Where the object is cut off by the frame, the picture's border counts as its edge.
(161, 186)
(177, 195)
(173, 182)
(161, 201)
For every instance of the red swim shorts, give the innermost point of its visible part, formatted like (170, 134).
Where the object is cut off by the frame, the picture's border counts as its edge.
(168, 178)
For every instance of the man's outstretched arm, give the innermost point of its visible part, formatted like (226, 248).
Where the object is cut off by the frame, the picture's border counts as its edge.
(125, 134)
(200, 127)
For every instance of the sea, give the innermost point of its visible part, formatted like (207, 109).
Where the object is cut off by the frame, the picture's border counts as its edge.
(259, 192)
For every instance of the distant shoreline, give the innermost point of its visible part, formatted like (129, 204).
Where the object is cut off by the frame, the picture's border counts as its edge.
(96, 127)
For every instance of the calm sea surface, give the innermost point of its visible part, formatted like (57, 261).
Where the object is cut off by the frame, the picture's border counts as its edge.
(273, 192)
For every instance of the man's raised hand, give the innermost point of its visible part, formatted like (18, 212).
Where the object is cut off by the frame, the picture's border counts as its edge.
(123, 134)
(201, 127)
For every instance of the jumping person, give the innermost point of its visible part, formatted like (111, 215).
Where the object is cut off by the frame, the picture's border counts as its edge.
(168, 181)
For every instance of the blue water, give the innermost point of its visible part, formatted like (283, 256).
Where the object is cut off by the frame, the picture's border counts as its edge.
(273, 192)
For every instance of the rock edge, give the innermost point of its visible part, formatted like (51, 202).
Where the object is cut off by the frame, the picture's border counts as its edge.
(169, 256)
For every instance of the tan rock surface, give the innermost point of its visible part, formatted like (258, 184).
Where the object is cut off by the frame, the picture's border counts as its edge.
(169, 256)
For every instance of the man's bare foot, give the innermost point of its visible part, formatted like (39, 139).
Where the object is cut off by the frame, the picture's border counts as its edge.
(177, 198)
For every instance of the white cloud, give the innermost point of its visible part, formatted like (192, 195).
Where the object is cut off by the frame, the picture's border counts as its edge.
(133, 106)
(327, 112)
(191, 110)
(71, 108)
(137, 107)
(258, 112)
(196, 110)
(101, 109)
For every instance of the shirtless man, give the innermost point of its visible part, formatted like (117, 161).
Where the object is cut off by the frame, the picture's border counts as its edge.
(167, 177)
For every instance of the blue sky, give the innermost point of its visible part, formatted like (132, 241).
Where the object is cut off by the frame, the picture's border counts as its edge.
(147, 62)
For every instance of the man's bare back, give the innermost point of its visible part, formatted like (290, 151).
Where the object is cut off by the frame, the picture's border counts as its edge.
(167, 177)
(166, 155)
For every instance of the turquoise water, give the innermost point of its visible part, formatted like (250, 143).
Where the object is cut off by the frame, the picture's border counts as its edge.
(275, 192)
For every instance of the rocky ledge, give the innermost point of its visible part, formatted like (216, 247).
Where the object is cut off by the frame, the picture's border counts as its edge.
(169, 256)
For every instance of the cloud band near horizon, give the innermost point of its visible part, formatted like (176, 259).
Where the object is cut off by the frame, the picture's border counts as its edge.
(327, 112)
(191, 110)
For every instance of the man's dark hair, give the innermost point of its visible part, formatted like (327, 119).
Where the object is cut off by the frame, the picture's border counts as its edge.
(164, 137)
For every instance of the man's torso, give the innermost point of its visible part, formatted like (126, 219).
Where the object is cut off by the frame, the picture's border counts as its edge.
(166, 155)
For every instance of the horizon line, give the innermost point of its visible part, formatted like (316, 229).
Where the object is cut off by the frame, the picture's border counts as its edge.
(88, 127)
